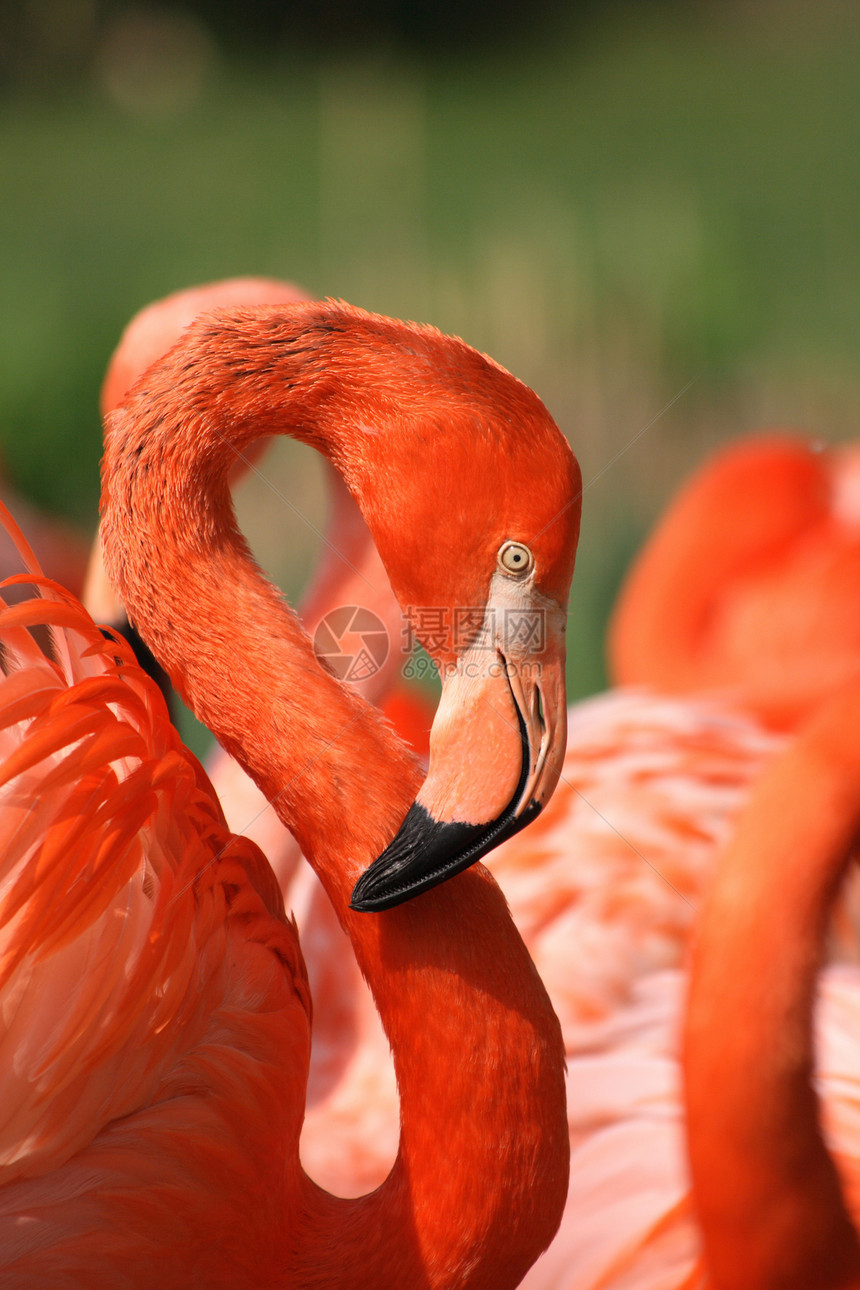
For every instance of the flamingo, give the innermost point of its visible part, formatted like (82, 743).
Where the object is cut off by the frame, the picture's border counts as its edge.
(771, 523)
(154, 992)
(775, 1206)
(147, 337)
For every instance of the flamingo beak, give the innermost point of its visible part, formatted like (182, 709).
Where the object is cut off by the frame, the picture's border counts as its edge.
(496, 751)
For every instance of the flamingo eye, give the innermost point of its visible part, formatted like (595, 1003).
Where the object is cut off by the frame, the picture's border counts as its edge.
(515, 558)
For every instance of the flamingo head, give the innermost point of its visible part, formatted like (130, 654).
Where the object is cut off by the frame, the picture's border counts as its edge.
(474, 505)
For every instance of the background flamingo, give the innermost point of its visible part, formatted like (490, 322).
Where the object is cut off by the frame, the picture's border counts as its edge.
(749, 583)
(769, 1194)
(62, 550)
(229, 1248)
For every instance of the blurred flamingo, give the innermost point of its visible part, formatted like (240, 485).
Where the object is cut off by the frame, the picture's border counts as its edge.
(154, 994)
(748, 586)
(774, 1204)
(60, 546)
(147, 337)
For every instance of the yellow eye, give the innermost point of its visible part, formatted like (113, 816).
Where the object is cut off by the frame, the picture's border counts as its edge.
(515, 558)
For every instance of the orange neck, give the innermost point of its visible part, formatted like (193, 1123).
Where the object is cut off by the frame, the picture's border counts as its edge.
(768, 1194)
(481, 1176)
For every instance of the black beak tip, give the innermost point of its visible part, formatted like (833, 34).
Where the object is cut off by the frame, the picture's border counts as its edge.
(398, 873)
(426, 852)
(371, 894)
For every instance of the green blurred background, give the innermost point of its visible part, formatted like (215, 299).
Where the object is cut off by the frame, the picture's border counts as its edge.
(621, 203)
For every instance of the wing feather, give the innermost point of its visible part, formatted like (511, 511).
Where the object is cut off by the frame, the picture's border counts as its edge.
(145, 957)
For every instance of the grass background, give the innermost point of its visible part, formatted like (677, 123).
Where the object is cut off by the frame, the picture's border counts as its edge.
(645, 200)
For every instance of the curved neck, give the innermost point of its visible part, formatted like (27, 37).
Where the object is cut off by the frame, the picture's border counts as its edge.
(768, 1194)
(481, 1176)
